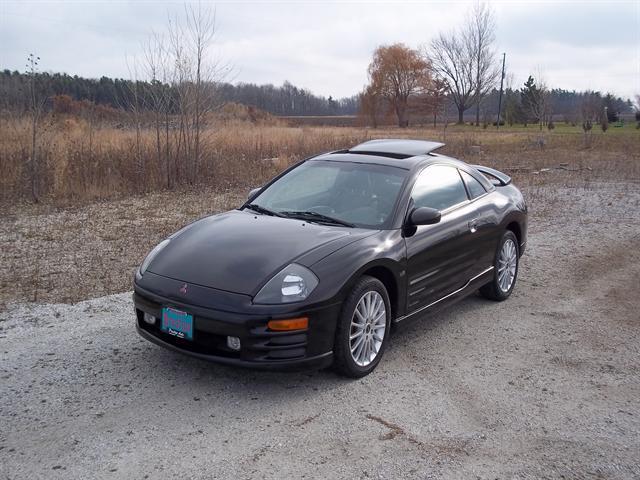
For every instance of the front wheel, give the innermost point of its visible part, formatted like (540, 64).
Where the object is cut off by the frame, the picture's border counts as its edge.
(505, 270)
(363, 328)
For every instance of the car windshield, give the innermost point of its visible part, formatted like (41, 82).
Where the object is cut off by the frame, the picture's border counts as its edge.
(343, 193)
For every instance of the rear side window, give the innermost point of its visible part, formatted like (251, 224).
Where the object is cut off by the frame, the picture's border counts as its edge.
(474, 186)
(439, 187)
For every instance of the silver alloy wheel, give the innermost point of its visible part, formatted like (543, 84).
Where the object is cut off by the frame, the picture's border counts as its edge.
(507, 264)
(368, 325)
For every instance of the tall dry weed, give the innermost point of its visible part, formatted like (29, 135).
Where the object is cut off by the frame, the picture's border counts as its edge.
(83, 160)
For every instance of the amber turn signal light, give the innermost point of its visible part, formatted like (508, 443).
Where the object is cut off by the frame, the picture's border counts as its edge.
(289, 324)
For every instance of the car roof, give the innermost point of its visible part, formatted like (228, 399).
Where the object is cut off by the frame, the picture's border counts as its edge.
(394, 152)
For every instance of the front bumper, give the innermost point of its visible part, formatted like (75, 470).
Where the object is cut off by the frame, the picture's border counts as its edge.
(260, 347)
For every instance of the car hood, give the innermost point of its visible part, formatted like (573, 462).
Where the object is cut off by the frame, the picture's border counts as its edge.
(238, 251)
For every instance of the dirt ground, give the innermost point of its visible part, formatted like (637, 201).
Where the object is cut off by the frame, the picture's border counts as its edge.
(544, 385)
(66, 255)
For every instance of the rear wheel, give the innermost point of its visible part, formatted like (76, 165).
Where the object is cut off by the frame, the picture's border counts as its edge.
(505, 270)
(363, 328)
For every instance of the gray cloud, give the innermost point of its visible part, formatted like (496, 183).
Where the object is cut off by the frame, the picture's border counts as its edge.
(326, 46)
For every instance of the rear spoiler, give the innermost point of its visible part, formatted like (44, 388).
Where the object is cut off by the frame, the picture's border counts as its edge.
(502, 178)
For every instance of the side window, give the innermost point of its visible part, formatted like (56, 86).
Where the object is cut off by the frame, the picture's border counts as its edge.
(439, 187)
(474, 186)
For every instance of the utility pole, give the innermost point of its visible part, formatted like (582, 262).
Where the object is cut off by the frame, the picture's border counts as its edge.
(500, 97)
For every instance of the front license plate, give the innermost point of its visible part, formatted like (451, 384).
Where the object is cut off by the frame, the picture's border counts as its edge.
(177, 323)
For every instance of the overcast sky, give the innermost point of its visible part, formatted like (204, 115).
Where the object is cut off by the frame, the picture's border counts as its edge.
(325, 46)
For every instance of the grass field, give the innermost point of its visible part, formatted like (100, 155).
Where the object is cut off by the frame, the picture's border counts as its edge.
(81, 162)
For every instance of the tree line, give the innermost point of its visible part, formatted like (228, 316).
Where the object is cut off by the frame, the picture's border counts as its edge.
(117, 93)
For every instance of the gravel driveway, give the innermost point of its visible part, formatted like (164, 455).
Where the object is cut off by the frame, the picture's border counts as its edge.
(544, 385)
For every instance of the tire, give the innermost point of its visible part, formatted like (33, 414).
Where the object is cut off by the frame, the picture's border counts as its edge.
(367, 291)
(500, 287)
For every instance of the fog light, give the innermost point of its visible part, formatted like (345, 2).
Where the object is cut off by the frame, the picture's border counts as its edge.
(233, 343)
(150, 319)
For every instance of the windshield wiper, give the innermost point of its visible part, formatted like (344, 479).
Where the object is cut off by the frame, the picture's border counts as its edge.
(317, 217)
(260, 209)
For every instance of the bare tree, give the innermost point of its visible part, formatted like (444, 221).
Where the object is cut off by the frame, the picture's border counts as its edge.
(135, 106)
(180, 74)
(201, 22)
(436, 98)
(158, 70)
(479, 38)
(452, 61)
(590, 111)
(397, 72)
(36, 107)
(196, 76)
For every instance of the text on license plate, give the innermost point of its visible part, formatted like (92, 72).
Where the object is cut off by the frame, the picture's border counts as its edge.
(177, 323)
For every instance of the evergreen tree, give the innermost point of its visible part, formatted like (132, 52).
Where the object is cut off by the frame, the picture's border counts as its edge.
(529, 99)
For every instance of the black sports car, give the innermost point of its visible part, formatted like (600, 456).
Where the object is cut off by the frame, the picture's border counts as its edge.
(315, 267)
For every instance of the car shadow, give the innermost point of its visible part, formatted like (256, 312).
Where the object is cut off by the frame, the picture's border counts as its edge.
(196, 373)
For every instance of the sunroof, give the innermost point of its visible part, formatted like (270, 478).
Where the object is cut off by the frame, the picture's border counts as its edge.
(398, 156)
(396, 148)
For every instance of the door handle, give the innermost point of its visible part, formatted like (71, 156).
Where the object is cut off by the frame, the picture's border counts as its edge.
(473, 225)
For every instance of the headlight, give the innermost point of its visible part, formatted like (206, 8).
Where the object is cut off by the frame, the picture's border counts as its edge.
(151, 255)
(291, 284)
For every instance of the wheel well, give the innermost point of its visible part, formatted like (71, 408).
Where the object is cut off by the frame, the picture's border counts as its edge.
(386, 277)
(515, 228)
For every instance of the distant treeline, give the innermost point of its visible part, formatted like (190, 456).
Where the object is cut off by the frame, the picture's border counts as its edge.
(123, 94)
(560, 105)
(527, 105)
(289, 100)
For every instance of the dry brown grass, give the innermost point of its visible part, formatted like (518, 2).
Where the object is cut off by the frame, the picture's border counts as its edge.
(81, 162)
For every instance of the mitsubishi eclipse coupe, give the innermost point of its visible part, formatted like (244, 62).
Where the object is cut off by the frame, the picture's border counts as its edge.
(319, 263)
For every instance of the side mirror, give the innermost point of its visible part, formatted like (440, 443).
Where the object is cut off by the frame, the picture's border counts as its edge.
(424, 216)
(253, 193)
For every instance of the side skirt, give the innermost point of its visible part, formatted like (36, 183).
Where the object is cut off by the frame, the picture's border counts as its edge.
(471, 282)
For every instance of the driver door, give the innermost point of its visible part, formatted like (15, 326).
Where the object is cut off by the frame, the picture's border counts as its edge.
(439, 256)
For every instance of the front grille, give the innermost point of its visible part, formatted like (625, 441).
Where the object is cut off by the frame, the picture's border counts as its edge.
(257, 344)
